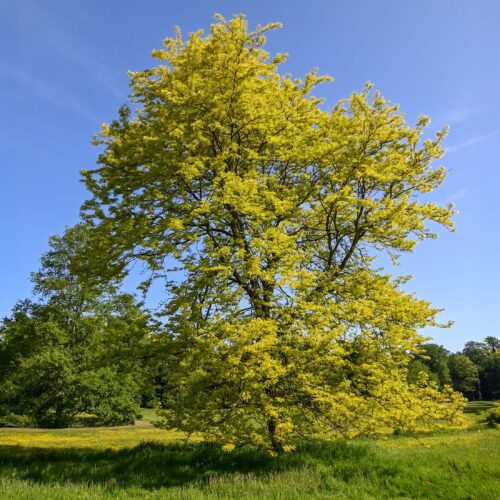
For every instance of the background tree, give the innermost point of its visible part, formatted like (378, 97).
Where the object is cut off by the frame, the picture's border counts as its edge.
(493, 343)
(490, 376)
(269, 209)
(464, 376)
(35, 371)
(415, 368)
(436, 358)
(486, 356)
(477, 352)
(79, 350)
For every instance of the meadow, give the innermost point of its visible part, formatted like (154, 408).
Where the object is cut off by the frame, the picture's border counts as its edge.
(143, 461)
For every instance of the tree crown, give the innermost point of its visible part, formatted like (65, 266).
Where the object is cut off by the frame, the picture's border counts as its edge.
(270, 209)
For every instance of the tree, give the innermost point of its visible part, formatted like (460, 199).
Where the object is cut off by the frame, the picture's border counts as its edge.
(268, 211)
(436, 358)
(464, 376)
(79, 349)
(415, 368)
(35, 371)
(490, 376)
(493, 343)
(486, 356)
(477, 352)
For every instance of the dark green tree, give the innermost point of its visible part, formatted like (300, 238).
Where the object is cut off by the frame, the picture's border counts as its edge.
(80, 349)
(414, 370)
(435, 357)
(477, 352)
(493, 343)
(464, 376)
(486, 356)
(490, 377)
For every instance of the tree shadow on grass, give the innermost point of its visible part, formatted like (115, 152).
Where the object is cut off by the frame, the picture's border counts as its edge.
(152, 465)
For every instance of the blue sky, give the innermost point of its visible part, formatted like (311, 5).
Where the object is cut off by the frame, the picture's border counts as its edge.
(63, 72)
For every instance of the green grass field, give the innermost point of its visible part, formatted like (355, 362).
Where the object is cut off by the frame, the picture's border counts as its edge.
(142, 461)
(479, 406)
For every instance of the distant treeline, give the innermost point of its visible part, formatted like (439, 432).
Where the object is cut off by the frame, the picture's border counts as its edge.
(475, 371)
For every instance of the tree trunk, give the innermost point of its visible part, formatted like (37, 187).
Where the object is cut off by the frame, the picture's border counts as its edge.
(271, 431)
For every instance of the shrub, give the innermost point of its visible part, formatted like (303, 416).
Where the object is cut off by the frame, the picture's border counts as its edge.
(492, 416)
(13, 420)
(110, 396)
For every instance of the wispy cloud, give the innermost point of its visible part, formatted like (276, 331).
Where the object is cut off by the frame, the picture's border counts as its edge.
(455, 115)
(49, 92)
(471, 141)
(456, 196)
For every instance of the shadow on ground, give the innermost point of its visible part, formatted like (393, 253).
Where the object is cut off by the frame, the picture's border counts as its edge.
(152, 465)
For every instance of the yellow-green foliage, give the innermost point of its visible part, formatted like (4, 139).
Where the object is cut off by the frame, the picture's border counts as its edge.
(280, 328)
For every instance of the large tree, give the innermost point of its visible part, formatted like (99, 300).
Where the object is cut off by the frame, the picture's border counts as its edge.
(269, 211)
(80, 349)
(486, 356)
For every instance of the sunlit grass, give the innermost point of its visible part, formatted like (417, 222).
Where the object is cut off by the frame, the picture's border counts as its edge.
(146, 462)
(95, 438)
(479, 406)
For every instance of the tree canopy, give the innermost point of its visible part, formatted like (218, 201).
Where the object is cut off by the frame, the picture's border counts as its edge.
(268, 212)
(475, 372)
(78, 350)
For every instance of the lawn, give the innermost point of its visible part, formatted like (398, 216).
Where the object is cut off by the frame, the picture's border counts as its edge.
(479, 406)
(145, 462)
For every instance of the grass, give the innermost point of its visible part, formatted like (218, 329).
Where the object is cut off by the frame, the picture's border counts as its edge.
(479, 406)
(149, 415)
(145, 462)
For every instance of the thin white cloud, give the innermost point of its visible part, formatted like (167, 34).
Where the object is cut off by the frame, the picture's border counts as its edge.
(456, 196)
(455, 115)
(471, 141)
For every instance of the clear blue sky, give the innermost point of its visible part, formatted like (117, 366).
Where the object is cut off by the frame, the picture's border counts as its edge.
(63, 72)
